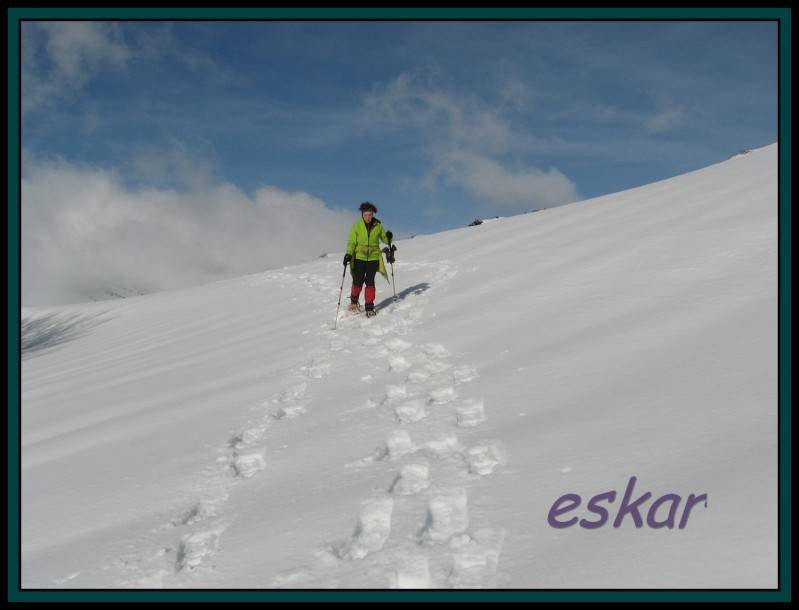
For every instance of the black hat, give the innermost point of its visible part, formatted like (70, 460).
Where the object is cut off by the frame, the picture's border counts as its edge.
(368, 206)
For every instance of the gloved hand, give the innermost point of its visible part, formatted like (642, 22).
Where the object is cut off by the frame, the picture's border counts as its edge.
(390, 253)
(389, 235)
(347, 258)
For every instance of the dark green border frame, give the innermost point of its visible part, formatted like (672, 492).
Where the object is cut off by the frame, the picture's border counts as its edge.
(781, 15)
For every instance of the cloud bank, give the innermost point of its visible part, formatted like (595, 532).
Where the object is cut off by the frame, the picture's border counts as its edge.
(471, 142)
(508, 190)
(84, 234)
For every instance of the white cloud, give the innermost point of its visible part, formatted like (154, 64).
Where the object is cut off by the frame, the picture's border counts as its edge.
(665, 120)
(76, 46)
(444, 119)
(469, 141)
(83, 233)
(62, 56)
(510, 191)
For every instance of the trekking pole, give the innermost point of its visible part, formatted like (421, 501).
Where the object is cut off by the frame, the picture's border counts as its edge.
(390, 254)
(340, 291)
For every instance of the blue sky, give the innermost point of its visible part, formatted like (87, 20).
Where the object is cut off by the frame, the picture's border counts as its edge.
(436, 122)
(610, 105)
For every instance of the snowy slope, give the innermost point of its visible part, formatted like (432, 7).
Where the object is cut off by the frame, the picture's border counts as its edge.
(225, 436)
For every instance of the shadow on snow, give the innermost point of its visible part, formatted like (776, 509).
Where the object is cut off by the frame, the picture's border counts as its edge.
(38, 333)
(416, 289)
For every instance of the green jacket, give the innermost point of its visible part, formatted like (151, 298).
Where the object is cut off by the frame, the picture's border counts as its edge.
(364, 244)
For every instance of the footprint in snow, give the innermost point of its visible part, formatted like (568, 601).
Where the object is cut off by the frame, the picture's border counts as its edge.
(289, 412)
(371, 531)
(410, 571)
(398, 443)
(475, 558)
(245, 465)
(484, 458)
(394, 393)
(411, 479)
(205, 509)
(410, 412)
(447, 515)
(248, 437)
(196, 548)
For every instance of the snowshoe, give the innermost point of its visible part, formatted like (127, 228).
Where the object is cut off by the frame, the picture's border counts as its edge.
(354, 308)
(371, 313)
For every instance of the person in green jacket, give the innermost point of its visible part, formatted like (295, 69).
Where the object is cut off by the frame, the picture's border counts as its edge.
(365, 258)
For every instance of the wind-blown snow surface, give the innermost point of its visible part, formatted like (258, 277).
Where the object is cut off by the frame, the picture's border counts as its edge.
(227, 436)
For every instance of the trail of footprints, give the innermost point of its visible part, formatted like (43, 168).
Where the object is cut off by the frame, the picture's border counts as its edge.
(441, 549)
(425, 385)
(241, 457)
(431, 386)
